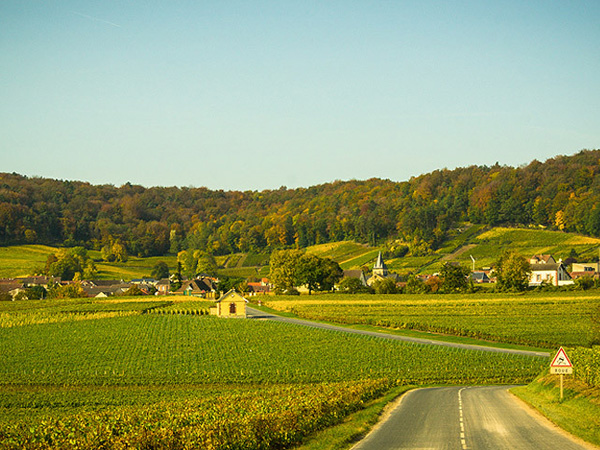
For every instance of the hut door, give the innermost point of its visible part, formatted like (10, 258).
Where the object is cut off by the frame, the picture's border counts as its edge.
(232, 309)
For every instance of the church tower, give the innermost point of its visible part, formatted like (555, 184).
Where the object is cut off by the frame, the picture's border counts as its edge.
(380, 268)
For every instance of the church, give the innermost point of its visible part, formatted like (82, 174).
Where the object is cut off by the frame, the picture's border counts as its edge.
(381, 272)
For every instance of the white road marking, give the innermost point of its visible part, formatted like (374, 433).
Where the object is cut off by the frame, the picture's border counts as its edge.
(463, 440)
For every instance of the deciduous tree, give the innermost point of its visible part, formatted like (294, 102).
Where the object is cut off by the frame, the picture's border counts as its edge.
(512, 272)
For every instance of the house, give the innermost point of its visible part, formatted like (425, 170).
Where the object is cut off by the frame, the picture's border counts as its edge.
(145, 281)
(36, 280)
(11, 287)
(580, 270)
(259, 287)
(545, 269)
(586, 267)
(356, 274)
(200, 287)
(480, 277)
(230, 305)
(104, 288)
(381, 272)
(163, 286)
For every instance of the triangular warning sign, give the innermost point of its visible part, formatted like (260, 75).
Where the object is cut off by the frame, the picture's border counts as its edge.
(561, 359)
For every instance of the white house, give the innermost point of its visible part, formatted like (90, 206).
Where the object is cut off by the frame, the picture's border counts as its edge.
(545, 269)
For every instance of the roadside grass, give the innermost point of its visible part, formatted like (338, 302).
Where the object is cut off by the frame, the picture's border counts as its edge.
(578, 412)
(355, 426)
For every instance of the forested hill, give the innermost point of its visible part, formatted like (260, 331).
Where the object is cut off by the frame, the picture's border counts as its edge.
(561, 193)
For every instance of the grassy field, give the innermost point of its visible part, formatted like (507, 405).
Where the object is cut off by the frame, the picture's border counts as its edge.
(537, 319)
(23, 260)
(108, 373)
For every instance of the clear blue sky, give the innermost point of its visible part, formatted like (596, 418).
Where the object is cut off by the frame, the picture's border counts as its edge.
(252, 95)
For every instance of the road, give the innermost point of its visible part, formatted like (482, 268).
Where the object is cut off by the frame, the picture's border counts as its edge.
(459, 418)
(255, 313)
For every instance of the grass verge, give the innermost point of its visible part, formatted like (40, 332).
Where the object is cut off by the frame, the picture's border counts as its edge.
(354, 427)
(578, 412)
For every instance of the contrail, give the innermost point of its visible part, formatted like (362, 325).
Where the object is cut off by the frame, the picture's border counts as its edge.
(96, 19)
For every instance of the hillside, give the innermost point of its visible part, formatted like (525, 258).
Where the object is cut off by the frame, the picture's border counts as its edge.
(562, 193)
(483, 243)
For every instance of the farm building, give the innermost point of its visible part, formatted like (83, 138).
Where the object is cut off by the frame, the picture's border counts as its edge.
(545, 269)
(231, 305)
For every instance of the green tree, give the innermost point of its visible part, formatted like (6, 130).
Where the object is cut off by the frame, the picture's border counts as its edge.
(70, 263)
(35, 292)
(68, 291)
(385, 286)
(284, 269)
(205, 263)
(114, 251)
(330, 273)
(160, 270)
(415, 286)
(512, 272)
(133, 291)
(454, 278)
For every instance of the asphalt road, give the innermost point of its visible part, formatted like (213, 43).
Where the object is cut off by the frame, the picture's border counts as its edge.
(255, 313)
(459, 418)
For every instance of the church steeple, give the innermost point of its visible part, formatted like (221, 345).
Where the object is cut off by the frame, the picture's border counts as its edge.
(380, 268)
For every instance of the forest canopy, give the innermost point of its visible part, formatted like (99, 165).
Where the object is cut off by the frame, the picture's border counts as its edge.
(561, 193)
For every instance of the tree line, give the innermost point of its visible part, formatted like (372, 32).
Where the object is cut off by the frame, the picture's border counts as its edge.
(561, 193)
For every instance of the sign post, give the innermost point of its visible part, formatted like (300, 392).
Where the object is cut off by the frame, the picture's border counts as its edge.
(561, 364)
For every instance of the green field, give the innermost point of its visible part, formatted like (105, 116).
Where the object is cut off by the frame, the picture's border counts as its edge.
(109, 374)
(23, 260)
(536, 319)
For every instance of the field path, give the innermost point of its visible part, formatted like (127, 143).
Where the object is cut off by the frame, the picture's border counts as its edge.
(458, 252)
(256, 314)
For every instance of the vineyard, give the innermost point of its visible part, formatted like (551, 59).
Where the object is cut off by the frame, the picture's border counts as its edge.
(548, 320)
(109, 374)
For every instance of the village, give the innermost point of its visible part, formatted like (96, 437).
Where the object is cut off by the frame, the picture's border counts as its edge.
(544, 271)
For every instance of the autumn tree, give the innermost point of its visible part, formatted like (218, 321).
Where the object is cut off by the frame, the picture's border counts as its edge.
(196, 262)
(512, 272)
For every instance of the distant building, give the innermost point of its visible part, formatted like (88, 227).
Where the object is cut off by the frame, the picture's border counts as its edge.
(480, 277)
(381, 272)
(163, 286)
(230, 305)
(357, 273)
(200, 287)
(591, 270)
(545, 269)
(259, 287)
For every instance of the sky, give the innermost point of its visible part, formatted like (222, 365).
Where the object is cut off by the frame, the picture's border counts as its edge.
(254, 95)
